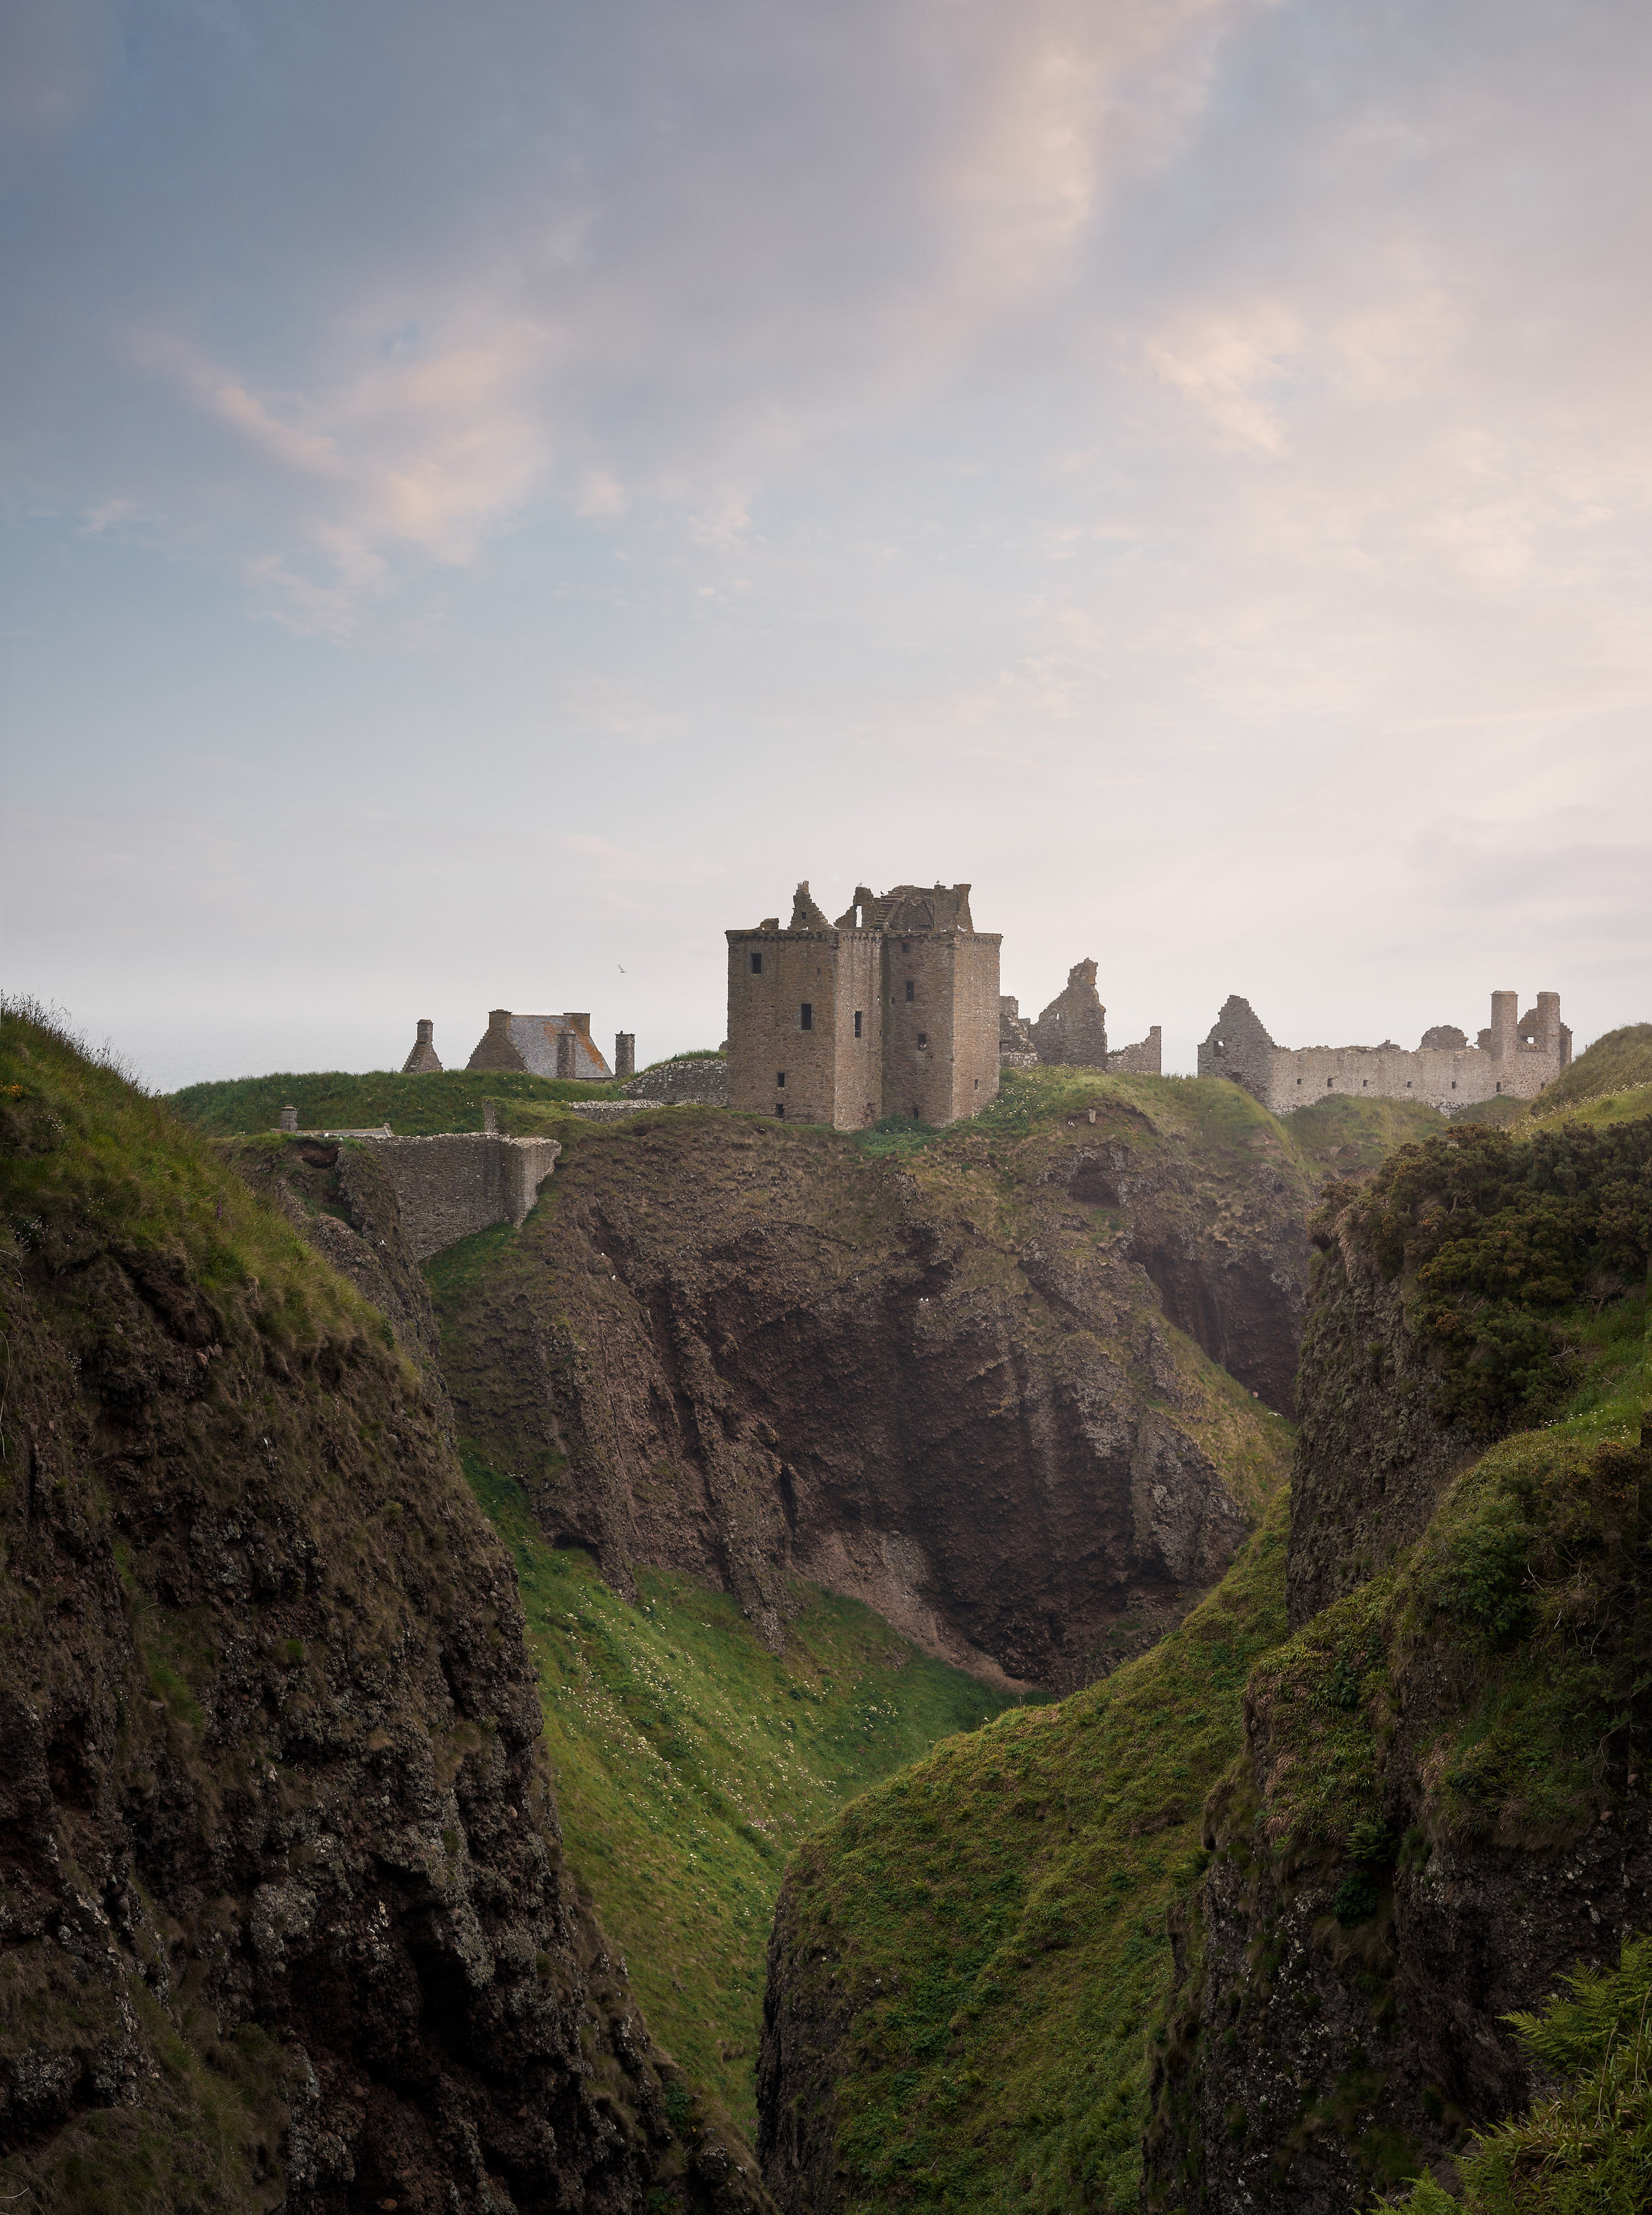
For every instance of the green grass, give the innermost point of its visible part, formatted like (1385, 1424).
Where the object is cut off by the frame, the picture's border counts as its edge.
(413, 1107)
(79, 1146)
(688, 1761)
(994, 1921)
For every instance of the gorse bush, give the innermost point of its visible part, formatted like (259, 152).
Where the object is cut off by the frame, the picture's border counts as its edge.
(1589, 2150)
(1495, 1237)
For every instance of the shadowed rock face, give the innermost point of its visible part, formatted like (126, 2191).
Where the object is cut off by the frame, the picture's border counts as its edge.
(951, 1392)
(283, 1899)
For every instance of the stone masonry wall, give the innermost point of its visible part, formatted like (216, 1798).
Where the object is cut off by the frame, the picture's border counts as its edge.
(448, 1186)
(1515, 1058)
(1145, 1059)
(975, 1023)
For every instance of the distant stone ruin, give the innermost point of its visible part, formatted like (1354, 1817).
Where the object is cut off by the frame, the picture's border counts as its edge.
(539, 1046)
(422, 1061)
(1072, 1033)
(1516, 1055)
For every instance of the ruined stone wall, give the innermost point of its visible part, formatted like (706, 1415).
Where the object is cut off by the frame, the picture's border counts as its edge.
(1441, 1078)
(446, 1187)
(1238, 1046)
(1516, 1056)
(1072, 1032)
(1145, 1059)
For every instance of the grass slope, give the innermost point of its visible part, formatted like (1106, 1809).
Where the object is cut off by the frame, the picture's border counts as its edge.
(688, 1762)
(996, 1920)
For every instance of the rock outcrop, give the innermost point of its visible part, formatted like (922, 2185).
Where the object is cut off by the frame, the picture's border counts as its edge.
(283, 1917)
(953, 1384)
(1442, 1804)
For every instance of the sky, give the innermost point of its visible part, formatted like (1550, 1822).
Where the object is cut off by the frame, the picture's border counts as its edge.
(493, 496)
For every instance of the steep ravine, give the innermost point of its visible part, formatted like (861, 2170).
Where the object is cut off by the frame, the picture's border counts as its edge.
(1436, 1804)
(284, 1922)
(944, 1382)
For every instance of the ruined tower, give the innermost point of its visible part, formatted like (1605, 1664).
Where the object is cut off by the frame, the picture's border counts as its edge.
(891, 1010)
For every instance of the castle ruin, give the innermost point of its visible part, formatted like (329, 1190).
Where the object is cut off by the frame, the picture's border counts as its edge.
(1515, 1056)
(1072, 1033)
(539, 1046)
(891, 1010)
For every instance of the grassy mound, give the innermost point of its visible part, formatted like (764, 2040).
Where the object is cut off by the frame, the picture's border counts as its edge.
(688, 1762)
(994, 1921)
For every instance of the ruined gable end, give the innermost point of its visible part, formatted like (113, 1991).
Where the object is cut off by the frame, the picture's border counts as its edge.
(422, 1061)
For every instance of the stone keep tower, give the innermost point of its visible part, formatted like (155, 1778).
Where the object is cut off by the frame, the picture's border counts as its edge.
(891, 1010)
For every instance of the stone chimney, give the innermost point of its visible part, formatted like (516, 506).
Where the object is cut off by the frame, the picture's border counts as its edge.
(1549, 1023)
(624, 1053)
(490, 1116)
(1505, 1025)
(567, 1053)
(290, 1116)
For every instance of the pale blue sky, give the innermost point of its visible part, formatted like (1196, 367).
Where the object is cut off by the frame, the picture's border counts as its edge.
(498, 494)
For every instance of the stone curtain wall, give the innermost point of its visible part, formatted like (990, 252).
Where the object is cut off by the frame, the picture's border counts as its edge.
(1442, 1079)
(1284, 1078)
(448, 1186)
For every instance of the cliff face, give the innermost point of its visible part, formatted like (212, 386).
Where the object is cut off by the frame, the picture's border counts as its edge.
(282, 1916)
(1441, 1805)
(945, 1383)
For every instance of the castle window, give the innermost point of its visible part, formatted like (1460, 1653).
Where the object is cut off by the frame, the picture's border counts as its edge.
(857, 1022)
(757, 964)
(1500, 1086)
(1408, 1083)
(923, 1040)
(910, 988)
(779, 1106)
(1298, 1081)
(1330, 1081)
(977, 1084)
(806, 1015)
(780, 1082)
(1453, 1084)
(1366, 1083)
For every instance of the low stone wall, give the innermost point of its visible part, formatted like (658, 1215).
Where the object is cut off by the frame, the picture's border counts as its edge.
(610, 1111)
(461, 1181)
(683, 1083)
(1145, 1059)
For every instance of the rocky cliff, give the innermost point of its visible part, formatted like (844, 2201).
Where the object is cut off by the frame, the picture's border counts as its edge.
(1441, 1805)
(283, 1921)
(972, 1382)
